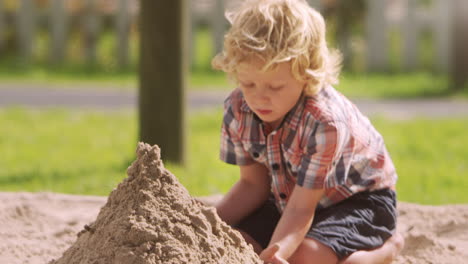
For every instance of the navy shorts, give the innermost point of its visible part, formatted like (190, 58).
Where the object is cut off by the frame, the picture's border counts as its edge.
(361, 222)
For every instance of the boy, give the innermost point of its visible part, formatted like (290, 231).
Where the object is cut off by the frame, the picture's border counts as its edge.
(316, 182)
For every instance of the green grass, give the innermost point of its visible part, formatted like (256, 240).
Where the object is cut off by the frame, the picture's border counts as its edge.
(64, 151)
(104, 73)
(83, 77)
(430, 157)
(88, 152)
(397, 85)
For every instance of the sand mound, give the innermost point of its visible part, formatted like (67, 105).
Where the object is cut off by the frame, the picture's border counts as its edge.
(151, 218)
(37, 227)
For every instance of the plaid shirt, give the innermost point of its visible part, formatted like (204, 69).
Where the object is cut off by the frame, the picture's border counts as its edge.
(323, 142)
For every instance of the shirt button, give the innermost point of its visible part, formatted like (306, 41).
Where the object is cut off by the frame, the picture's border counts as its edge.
(275, 166)
(256, 155)
(282, 196)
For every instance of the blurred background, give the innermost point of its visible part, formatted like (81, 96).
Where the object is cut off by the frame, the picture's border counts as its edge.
(69, 83)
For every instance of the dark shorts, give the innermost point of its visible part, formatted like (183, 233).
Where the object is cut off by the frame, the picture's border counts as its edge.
(363, 221)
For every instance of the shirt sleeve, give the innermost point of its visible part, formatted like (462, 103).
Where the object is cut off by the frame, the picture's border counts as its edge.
(232, 150)
(319, 153)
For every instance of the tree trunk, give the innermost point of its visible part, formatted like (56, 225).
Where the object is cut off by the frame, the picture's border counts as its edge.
(460, 44)
(162, 76)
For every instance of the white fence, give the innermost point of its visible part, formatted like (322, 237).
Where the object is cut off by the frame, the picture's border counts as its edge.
(408, 18)
(60, 17)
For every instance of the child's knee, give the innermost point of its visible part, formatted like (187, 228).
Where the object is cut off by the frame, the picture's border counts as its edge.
(382, 255)
(313, 250)
(397, 241)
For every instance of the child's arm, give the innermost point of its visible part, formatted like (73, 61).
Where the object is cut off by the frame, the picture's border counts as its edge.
(249, 193)
(295, 221)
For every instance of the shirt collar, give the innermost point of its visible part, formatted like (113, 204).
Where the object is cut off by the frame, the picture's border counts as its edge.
(291, 119)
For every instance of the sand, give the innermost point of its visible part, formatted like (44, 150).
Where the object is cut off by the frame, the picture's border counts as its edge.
(151, 218)
(434, 234)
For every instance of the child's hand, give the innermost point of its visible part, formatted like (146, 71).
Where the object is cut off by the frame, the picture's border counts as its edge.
(269, 255)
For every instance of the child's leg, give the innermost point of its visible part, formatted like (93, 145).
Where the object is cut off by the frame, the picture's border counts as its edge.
(364, 221)
(258, 227)
(313, 251)
(382, 255)
(256, 246)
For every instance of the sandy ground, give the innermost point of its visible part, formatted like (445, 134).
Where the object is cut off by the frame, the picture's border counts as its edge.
(150, 218)
(37, 227)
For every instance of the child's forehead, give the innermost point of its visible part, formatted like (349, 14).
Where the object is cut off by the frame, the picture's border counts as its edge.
(249, 65)
(255, 70)
(258, 66)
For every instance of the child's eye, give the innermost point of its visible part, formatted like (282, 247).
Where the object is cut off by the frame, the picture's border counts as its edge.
(276, 88)
(248, 85)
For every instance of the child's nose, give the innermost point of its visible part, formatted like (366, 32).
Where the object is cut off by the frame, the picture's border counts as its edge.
(262, 95)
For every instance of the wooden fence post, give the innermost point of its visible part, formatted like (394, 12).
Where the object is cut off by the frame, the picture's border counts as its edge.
(410, 27)
(344, 26)
(443, 34)
(58, 28)
(218, 25)
(91, 31)
(377, 35)
(192, 32)
(122, 22)
(26, 29)
(315, 4)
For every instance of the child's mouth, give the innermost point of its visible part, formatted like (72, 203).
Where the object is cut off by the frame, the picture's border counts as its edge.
(264, 112)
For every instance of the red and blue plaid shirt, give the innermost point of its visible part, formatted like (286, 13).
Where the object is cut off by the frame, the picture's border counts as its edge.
(323, 142)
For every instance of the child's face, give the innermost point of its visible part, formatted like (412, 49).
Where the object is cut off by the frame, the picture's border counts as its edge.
(269, 94)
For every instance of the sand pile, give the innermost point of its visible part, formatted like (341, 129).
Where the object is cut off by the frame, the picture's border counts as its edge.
(37, 227)
(151, 218)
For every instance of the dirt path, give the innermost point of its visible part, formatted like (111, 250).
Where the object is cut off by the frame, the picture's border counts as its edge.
(111, 99)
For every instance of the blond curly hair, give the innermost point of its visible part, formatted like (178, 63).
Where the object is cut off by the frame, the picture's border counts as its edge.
(277, 31)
